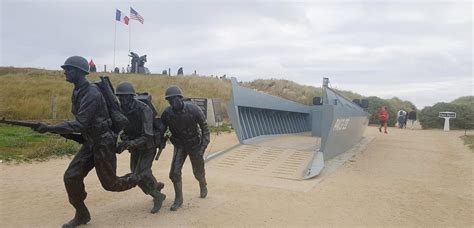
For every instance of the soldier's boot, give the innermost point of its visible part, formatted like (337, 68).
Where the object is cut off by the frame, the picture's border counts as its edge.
(178, 198)
(203, 188)
(158, 198)
(81, 217)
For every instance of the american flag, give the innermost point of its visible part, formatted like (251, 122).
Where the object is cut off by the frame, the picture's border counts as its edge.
(135, 16)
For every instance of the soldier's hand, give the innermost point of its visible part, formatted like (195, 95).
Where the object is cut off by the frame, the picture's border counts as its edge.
(126, 144)
(120, 148)
(124, 137)
(131, 144)
(42, 128)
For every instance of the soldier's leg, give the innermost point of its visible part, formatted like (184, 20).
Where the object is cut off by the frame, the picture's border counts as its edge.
(148, 182)
(197, 162)
(80, 166)
(133, 164)
(179, 156)
(105, 162)
(133, 161)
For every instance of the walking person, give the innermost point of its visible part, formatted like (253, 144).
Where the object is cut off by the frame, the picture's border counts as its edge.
(93, 121)
(92, 67)
(401, 118)
(138, 138)
(190, 137)
(406, 119)
(383, 117)
(412, 117)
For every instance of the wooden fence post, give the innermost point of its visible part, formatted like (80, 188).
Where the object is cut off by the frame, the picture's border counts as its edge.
(54, 107)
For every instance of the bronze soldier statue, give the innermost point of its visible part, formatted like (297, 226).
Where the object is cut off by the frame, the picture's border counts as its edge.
(93, 121)
(190, 137)
(138, 138)
(135, 58)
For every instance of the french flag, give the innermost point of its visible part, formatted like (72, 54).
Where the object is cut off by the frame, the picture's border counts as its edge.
(119, 16)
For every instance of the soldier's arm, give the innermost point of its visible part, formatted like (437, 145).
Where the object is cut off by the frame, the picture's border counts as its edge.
(165, 121)
(147, 117)
(201, 120)
(87, 109)
(164, 127)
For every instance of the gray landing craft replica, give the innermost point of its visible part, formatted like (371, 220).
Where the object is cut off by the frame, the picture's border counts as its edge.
(284, 139)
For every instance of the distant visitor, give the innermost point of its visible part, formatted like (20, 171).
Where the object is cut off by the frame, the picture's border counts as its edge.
(383, 117)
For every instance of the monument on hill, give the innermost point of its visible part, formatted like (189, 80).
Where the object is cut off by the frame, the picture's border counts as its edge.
(138, 64)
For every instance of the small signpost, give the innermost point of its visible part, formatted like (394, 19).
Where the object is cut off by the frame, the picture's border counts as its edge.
(447, 116)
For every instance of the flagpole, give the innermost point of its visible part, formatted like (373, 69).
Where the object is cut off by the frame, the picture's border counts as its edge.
(115, 40)
(130, 41)
(129, 35)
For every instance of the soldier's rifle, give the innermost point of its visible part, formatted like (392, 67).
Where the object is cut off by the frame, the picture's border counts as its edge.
(161, 147)
(73, 136)
(123, 146)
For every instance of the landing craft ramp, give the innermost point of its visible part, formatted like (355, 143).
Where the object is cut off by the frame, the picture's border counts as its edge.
(282, 138)
(280, 156)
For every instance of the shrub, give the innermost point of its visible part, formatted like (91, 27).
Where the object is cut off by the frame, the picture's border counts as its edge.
(467, 100)
(464, 116)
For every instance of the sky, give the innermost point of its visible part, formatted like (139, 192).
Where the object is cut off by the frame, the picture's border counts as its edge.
(419, 51)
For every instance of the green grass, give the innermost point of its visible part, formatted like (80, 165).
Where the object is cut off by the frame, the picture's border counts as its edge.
(20, 144)
(468, 141)
(224, 127)
(17, 137)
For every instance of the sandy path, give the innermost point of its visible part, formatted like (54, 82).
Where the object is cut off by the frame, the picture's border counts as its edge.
(406, 178)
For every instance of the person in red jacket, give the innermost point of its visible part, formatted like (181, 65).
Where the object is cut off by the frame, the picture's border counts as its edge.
(383, 117)
(92, 66)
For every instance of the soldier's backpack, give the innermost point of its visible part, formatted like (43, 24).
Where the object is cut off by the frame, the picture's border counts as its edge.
(119, 121)
(146, 98)
(158, 127)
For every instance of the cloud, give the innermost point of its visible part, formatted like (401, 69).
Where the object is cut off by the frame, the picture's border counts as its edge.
(405, 47)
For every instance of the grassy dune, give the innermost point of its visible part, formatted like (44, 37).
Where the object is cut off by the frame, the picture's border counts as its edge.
(292, 91)
(29, 93)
